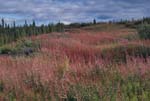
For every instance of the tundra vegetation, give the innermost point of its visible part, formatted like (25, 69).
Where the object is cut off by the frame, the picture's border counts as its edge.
(76, 62)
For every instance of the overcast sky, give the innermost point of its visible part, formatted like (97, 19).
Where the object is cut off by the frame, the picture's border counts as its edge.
(44, 11)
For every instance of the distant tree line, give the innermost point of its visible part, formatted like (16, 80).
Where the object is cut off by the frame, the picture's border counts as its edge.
(142, 26)
(134, 23)
(13, 32)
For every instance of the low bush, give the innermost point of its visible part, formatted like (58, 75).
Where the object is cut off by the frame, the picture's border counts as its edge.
(27, 47)
(119, 53)
(6, 50)
(144, 31)
(1, 86)
(22, 47)
(138, 50)
(115, 54)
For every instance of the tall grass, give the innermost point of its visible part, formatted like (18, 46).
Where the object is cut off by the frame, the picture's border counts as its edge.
(70, 67)
(88, 82)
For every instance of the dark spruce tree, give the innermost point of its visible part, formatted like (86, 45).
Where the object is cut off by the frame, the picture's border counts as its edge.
(94, 21)
(14, 32)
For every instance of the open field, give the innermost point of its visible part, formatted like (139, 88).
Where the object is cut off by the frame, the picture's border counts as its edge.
(103, 62)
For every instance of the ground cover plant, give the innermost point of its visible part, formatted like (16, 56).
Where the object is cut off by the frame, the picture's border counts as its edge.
(88, 63)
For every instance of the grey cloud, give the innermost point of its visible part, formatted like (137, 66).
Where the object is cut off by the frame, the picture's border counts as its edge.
(73, 11)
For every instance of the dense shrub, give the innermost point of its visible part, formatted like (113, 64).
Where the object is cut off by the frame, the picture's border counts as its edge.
(6, 50)
(138, 50)
(1, 86)
(23, 47)
(119, 53)
(26, 47)
(116, 54)
(144, 31)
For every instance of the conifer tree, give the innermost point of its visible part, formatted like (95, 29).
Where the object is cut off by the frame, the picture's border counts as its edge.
(94, 21)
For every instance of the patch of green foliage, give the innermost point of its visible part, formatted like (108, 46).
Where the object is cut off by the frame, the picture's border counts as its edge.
(6, 50)
(85, 93)
(119, 53)
(1, 86)
(132, 37)
(23, 47)
(144, 31)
